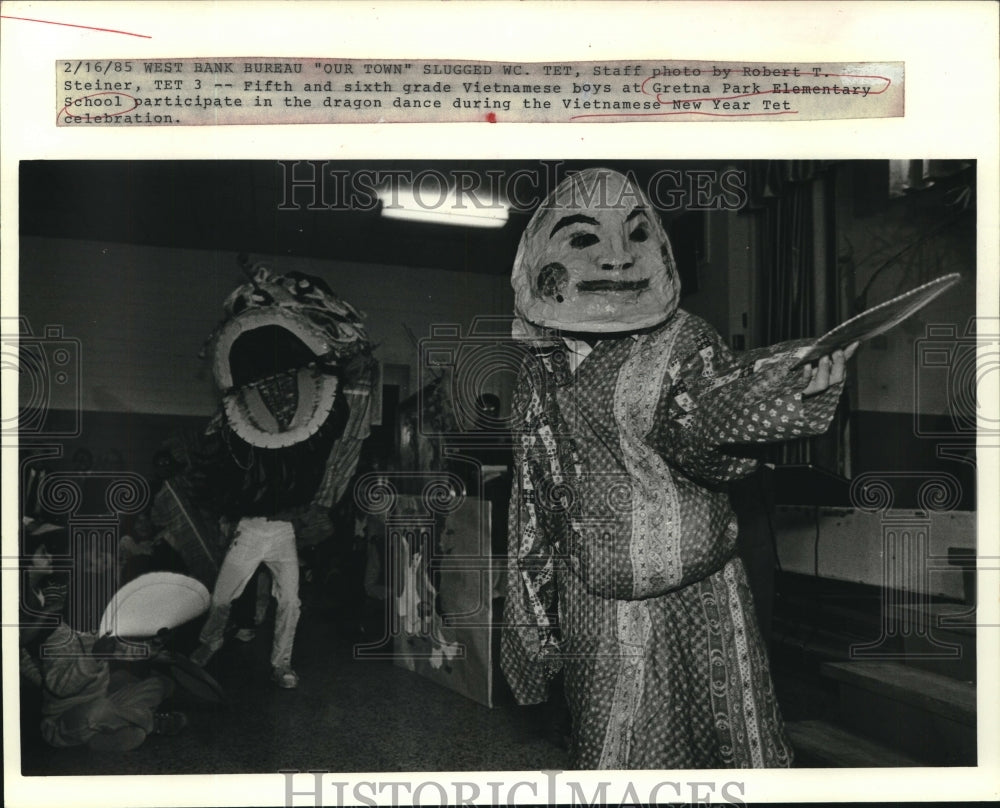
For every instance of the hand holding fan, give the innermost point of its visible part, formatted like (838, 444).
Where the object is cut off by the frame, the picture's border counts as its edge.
(877, 320)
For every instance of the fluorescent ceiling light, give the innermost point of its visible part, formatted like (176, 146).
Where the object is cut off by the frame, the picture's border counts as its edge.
(442, 206)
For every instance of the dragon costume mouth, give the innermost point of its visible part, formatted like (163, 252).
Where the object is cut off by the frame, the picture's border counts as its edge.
(267, 351)
(613, 286)
(267, 361)
(280, 391)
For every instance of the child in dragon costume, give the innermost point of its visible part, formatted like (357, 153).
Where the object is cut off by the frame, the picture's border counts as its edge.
(622, 564)
(294, 365)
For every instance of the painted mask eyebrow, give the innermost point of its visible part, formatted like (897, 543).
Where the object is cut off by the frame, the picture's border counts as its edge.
(639, 211)
(576, 218)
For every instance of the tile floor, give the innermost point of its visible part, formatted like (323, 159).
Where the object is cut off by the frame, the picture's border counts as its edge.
(347, 715)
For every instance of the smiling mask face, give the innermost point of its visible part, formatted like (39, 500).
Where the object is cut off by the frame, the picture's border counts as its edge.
(595, 258)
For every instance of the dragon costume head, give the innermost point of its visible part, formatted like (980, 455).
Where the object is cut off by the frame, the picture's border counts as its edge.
(280, 354)
(595, 258)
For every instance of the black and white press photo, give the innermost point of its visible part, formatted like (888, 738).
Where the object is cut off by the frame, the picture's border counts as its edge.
(396, 466)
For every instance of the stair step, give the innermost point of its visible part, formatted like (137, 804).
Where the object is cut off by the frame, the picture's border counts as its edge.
(929, 717)
(818, 743)
(941, 618)
(922, 689)
(814, 646)
(925, 633)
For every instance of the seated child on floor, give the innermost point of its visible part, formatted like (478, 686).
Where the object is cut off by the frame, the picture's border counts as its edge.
(84, 702)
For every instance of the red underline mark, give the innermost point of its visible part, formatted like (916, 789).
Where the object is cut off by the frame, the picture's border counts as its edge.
(132, 98)
(682, 112)
(886, 79)
(74, 25)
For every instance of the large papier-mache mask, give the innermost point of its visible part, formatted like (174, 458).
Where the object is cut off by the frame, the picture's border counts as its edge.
(595, 258)
(279, 355)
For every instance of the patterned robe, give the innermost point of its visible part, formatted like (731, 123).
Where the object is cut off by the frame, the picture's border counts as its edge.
(622, 566)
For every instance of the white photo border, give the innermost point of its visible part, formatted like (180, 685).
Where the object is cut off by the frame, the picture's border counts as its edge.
(951, 63)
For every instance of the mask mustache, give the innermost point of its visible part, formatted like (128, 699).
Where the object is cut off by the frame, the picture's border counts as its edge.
(612, 286)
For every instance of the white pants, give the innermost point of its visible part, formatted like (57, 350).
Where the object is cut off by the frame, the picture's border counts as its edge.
(258, 541)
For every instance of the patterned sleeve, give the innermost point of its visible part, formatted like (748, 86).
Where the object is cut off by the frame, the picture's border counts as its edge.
(713, 400)
(357, 386)
(530, 638)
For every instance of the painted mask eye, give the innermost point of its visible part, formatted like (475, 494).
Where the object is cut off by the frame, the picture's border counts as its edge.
(639, 234)
(552, 280)
(580, 241)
